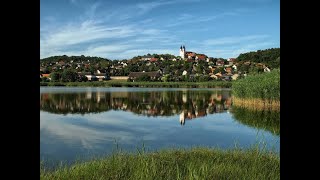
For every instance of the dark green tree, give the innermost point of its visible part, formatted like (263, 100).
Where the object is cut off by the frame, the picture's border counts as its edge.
(69, 75)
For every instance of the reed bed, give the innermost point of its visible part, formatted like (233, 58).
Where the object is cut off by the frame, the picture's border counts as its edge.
(265, 86)
(257, 104)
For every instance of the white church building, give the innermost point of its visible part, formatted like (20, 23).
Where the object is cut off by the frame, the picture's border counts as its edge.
(189, 54)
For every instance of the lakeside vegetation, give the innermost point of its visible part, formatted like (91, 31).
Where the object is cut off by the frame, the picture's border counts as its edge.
(264, 86)
(196, 163)
(124, 83)
(261, 91)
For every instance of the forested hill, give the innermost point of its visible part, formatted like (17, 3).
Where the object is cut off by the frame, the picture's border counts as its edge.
(73, 58)
(270, 57)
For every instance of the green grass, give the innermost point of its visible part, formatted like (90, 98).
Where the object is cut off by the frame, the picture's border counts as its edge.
(121, 83)
(265, 86)
(196, 163)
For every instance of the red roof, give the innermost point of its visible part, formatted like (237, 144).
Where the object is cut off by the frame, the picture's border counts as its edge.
(154, 59)
(201, 56)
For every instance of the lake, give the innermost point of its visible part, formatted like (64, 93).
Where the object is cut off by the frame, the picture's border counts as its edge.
(82, 123)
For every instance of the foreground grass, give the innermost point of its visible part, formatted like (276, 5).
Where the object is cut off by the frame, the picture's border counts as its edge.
(197, 163)
(121, 83)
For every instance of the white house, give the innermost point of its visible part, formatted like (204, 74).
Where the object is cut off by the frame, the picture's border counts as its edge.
(266, 69)
(184, 73)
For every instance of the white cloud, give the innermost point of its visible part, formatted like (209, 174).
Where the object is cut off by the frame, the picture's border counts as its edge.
(148, 6)
(233, 40)
(189, 19)
(86, 32)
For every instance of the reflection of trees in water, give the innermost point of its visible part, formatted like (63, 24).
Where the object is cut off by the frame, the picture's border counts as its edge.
(269, 120)
(162, 103)
(74, 102)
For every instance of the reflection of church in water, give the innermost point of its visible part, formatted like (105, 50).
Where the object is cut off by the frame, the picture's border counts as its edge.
(211, 106)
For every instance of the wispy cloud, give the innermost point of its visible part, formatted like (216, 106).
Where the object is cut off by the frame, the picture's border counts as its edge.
(233, 40)
(203, 19)
(145, 7)
(184, 19)
(73, 1)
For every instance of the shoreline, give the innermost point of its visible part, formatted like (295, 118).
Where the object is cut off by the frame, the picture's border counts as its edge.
(117, 83)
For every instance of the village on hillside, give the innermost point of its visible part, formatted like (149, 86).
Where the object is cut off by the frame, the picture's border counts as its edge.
(188, 66)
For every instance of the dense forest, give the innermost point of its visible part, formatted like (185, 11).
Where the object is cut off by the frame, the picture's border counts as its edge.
(270, 57)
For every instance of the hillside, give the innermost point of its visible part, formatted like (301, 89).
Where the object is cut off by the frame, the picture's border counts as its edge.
(72, 58)
(170, 67)
(270, 57)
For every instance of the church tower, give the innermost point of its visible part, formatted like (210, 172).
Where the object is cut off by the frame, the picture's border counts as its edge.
(182, 52)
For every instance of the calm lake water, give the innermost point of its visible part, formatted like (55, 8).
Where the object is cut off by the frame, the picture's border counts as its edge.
(81, 123)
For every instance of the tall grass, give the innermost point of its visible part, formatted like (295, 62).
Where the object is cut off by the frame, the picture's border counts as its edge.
(196, 163)
(264, 86)
(257, 104)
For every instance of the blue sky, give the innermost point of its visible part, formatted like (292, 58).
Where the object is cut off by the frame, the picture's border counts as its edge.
(123, 29)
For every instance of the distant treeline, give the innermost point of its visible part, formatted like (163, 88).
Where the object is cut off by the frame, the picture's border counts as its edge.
(270, 57)
(73, 58)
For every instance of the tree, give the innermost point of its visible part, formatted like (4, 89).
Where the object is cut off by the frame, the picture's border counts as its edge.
(55, 76)
(69, 75)
(45, 79)
(82, 78)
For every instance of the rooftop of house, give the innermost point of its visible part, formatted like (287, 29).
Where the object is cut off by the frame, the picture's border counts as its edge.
(45, 75)
(153, 59)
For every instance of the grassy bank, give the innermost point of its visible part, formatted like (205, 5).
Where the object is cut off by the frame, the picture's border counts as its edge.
(197, 163)
(121, 83)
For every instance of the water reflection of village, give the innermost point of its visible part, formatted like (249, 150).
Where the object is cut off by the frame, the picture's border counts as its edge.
(189, 104)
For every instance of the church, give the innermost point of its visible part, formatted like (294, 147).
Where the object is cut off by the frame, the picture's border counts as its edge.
(190, 55)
